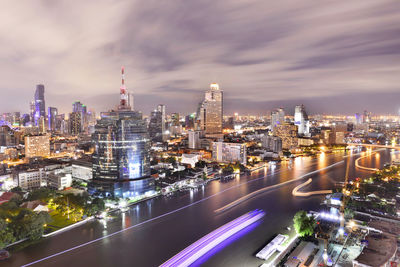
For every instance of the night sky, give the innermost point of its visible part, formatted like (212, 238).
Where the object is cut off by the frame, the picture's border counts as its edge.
(334, 56)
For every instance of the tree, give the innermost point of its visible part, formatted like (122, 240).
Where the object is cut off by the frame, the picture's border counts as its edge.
(16, 189)
(171, 160)
(303, 224)
(6, 234)
(28, 224)
(43, 194)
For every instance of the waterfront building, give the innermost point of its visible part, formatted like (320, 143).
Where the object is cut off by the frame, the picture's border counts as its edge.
(272, 143)
(288, 133)
(229, 152)
(121, 161)
(301, 120)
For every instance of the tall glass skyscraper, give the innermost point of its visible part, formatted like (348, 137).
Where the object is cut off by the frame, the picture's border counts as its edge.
(121, 161)
(40, 105)
(301, 120)
(211, 110)
(52, 114)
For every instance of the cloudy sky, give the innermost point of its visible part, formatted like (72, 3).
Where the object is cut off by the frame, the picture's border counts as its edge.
(334, 56)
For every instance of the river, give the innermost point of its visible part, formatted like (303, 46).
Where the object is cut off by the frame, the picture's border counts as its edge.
(153, 231)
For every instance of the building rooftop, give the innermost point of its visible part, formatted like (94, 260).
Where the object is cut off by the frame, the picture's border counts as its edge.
(380, 249)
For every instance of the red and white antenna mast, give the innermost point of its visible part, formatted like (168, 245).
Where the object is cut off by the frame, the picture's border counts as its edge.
(123, 93)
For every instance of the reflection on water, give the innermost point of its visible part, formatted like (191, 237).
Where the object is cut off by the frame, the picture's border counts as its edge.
(159, 240)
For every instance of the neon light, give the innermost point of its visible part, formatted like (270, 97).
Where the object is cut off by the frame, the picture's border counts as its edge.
(208, 242)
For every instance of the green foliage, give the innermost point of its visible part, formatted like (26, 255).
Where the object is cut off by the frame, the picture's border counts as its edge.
(227, 170)
(6, 234)
(95, 207)
(16, 189)
(303, 224)
(171, 160)
(28, 224)
(43, 194)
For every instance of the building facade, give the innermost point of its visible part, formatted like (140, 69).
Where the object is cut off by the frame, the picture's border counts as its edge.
(301, 120)
(37, 146)
(210, 113)
(229, 152)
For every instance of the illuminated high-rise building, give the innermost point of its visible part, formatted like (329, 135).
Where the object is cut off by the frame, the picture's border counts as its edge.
(301, 120)
(156, 126)
(277, 118)
(75, 123)
(51, 118)
(40, 105)
(37, 146)
(210, 111)
(121, 161)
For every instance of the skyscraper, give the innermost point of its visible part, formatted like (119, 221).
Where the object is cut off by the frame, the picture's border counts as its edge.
(52, 114)
(277, 118)
(156, 126)
(301, 120)
(40, 105)
(78, 107)
(121, 161)
(161, 108)
(75, 123)
(211, 110)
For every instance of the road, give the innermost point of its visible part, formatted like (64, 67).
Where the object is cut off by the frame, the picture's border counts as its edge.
(153, 231)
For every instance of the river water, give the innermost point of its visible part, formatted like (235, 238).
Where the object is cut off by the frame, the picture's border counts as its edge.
(153, 231)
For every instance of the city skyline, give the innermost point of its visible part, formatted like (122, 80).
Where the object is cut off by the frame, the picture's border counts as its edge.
(341, 51)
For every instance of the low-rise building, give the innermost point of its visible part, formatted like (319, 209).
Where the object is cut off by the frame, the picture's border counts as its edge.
(190, 159)
(82, 170)
(59, 180)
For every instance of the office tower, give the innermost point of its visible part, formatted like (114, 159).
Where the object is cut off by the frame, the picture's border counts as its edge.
(37, 146)
(194, 139)
(121, 161)
(51, 118)
(42, 125)
(40, 105)
(15, 118)
(161, 108)
(359, 118)
(288, 134)
(78, 107)
(272, 143)
(301, 120)
(155, 126)
(210, 111)
(7, 137)
(277, 117)
(366, 117)
(75, 123)
(25, 119)
(175, 119)
(229, 152)
(32, 112)
(189, 121)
